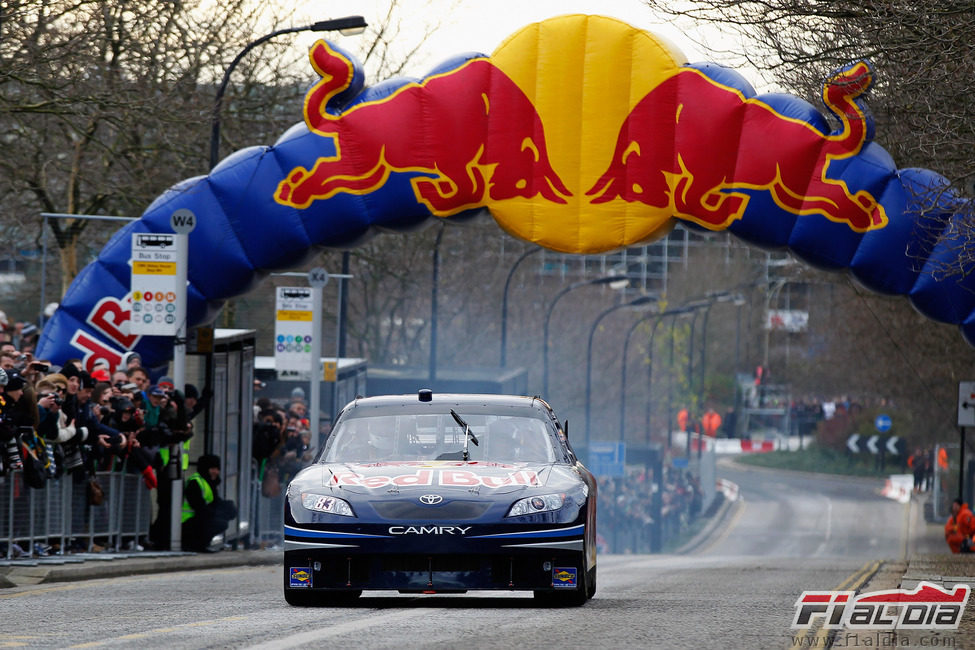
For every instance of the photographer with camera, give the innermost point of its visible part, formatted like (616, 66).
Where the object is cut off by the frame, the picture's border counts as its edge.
(182, 411)
(106, 442)
(11, 459)
(53, 425)
(127, 420)
(35, 371)
(161, 430)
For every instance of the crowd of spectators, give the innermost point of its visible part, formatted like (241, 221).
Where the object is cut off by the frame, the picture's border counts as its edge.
(58, 421)
(625, 509)
(282, 441)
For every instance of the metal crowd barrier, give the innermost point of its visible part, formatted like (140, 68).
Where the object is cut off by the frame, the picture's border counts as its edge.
(268, 516)
(60, 513)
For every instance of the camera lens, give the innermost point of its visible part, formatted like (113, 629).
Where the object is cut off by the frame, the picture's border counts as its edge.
(72, 455)
(12, 453)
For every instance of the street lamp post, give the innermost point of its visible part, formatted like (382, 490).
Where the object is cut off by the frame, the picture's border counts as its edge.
(434, 293)
(626, 347)
(548, 316)
(348, 25)
(626, 344)
(639, 300)
(504, 304)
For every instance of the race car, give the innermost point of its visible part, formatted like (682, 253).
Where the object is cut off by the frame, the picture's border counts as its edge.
(441, 494)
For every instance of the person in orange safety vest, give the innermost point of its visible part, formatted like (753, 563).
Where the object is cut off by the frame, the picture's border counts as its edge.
(682, 417)
(711, 422)
(959, 528)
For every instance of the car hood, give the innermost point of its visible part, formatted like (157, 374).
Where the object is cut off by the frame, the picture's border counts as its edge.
(459, 476)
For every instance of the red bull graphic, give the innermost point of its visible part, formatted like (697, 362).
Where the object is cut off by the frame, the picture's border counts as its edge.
(673, 153)
(581, 134)
(492, 144)
(446, 477)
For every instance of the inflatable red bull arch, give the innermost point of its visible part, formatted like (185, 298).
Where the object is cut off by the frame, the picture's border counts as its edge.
(581, 134)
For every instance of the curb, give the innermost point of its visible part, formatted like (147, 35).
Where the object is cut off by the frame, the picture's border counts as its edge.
(709, 529)
(109, 566)
(733, 463)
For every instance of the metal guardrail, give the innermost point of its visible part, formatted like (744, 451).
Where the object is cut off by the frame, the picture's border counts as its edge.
(268, 516)
(60, 513)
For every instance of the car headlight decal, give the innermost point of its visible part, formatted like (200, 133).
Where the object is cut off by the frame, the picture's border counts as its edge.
(324, 503)
(535, 504)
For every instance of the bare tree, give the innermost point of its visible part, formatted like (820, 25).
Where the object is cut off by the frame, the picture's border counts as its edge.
(922, 51)
(860, 343)
(103, 106)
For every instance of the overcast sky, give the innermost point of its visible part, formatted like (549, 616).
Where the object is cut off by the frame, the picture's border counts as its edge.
(481, 25)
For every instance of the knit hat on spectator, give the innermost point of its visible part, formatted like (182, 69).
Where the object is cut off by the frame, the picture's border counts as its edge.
(166, 383)
(70, 370)
(15, 381)
(191, 392)
(206, 461)
(157, 390)
(297, 393)
(87, 381)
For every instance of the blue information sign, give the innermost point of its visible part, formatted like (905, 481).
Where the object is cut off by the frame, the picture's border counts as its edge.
(607, 459)
(882, 423)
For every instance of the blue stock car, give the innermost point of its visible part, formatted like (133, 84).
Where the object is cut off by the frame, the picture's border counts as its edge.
(442, 494)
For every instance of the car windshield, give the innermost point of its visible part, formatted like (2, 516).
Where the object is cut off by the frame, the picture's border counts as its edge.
(409, 437)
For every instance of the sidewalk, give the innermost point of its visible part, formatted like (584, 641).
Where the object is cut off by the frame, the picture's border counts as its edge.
(89, 566)
(928, 560)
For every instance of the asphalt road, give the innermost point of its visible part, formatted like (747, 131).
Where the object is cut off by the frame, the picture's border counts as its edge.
(806, 516)
(737, 591)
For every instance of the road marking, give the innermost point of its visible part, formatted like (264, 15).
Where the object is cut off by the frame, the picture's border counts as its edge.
(819, 637)
(160, 630)
(829, 526)
(727, 531)
(906, 530)
(313, 637)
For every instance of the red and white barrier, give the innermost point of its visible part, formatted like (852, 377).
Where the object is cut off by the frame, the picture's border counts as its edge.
(727, 488)
(899, 487)
(733, 445)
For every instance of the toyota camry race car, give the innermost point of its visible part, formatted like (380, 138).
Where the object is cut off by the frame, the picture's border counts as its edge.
(442, 494)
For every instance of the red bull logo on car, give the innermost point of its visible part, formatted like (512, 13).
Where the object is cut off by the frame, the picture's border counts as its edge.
(446, 477)
(580, 134)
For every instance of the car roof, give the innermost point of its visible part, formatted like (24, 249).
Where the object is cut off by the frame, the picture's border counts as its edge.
(443, 401)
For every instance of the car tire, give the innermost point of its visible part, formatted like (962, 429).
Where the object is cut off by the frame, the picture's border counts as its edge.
(300, 598)
(309, 598)
(339, 597)
(569, 597)
(591, 584)
(318, 597)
